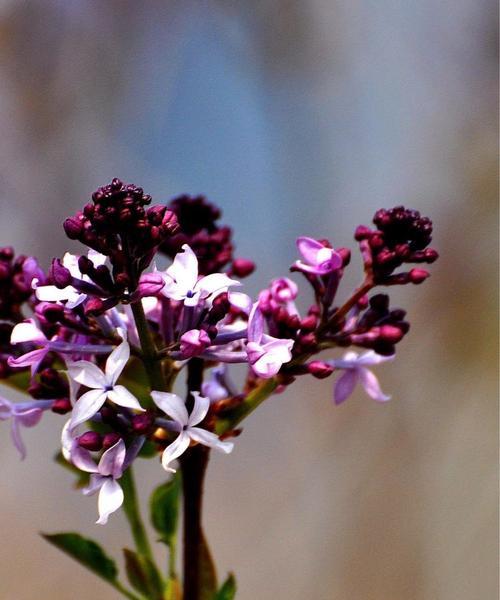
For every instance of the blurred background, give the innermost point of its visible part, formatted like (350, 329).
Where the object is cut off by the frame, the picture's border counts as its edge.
(298, 117)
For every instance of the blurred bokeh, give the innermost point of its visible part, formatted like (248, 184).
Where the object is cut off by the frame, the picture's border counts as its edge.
(297, 117)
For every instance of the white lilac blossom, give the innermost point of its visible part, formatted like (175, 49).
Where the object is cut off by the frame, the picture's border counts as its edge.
(102, 385)
(182, 283)
(69, 294)
(22, 414)
(356, 370)
(218, 386)
(318, 259)
(104, 480)
(184, 423)
(266, 354)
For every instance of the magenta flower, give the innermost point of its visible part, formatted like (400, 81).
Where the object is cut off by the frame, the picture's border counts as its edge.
(356, 370)
(182, 283)
(318, 259)
(175, 408)
(194, 342)
(102, 385)
(26, 414)
(104, 481)
(265, 354)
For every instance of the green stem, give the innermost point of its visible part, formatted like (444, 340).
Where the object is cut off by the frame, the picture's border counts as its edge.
(150, 356)
(131, 508)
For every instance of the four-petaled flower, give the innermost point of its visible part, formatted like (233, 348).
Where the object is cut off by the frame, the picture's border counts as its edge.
(103, 479)
(356, 370)
(184, 423)
(265, 353)
(103, 385)
(182, 283)
(318, 259)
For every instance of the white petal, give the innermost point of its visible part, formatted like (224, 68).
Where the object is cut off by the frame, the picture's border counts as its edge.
(215, 282)
(121, 396)
(51, 293)
(200, 409)
(87, 406)
(184, 269)
(116, 362)
(240, 301)
(255, 324)
(87, 374)
(207, 438)
(27, 332)
(97, 258)
(172, 405)
(95, 484)
(372, 358)
(70, 261)
(111, 463)
(110, 499)
(345, 385)
(174, 450)
(372, 387)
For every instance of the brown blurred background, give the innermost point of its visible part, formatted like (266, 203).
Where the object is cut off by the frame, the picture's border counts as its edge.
(297, 117)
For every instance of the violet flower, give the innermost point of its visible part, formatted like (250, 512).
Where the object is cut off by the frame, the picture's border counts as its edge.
(175, 408)
(356, 370)
(265, 354)
(182, 283)
(103, 385)
(104, 481)
(26, 414)
(318, 259)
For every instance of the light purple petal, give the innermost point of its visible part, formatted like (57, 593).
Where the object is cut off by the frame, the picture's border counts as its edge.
(172, 405)
(309, 249)
(33, 359)
(27, 331)
(121, 396)
(87, 406)
(174, 450)
(116, 362)
(110, 499)
(372, 387)
(6, 409)
(372, 358)
(184, 269)
(95, 484)
(200, 409)
(255, 324)
(213, 283)
(87, 374)
(17, 439)
(207, 438)
(151, 284)
(70, 261)
(240, 301)
(30, 417)
(345, 385)
(111, 462)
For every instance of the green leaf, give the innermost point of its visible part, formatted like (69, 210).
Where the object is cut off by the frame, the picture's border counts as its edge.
(164, 506)
(228, 589)
(143, 575)
(208, 574)
(86, 552)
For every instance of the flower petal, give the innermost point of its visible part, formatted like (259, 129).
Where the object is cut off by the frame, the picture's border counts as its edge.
(174, 450)
(255, 324)
(213, 283)
(345, 386)
(184, 269)
(87, 406)
(200, 409)
(309, 249)
(51, 293)
(30, 417)
(372, 358)
(372, 387)
(116, 362)
(87, 374)
(95, 484)
(33, 359)
(17, 439)
(111, 462)
(27, 331)
(207, 438)
(121, 396)
(110, 499)
(172, 405)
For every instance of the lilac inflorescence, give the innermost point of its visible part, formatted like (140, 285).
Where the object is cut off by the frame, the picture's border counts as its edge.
(88, 333)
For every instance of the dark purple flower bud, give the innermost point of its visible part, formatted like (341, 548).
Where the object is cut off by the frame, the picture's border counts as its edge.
(90, 440)
(194, 342)
(391, 334)
(242, 267)
(320, 369)
(60, 274)
(61, 406)
(418, 275)
(110, 439)
(309, 323)
(143, 423)
(73, 227)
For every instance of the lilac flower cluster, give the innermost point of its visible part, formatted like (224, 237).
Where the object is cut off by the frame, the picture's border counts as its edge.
(89, 334)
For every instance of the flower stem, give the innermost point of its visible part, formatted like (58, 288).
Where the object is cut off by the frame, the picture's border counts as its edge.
(131, 508)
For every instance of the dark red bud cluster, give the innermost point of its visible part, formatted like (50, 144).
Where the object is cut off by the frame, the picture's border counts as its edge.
(402, 236)
(209, 241)
(50, 384)
(16, 277)
(117, 224)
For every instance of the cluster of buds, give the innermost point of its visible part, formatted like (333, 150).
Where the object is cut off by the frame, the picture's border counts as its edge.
(96, 330)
